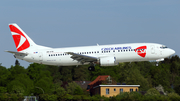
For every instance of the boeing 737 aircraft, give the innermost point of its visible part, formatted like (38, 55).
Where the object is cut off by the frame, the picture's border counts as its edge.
(104, 55)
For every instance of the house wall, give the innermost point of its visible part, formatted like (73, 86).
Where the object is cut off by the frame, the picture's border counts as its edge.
(114, 93)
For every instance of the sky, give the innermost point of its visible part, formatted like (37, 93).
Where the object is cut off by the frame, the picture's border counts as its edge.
(69, 23)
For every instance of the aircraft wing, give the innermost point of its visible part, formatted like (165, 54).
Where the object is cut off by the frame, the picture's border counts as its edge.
(82, 58)
(17, 53)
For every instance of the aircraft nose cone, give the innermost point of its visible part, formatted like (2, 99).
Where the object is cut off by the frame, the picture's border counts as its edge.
(171, 51)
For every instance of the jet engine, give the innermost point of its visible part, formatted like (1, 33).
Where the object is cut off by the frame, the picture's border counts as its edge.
(107, 61)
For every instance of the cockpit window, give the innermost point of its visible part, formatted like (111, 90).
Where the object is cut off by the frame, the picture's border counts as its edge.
(163, 47)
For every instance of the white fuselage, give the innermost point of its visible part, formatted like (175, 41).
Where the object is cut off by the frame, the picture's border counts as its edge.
(121, 53)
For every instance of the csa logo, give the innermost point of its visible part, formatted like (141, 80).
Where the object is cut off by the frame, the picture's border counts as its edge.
(141, 51)
(20, 39)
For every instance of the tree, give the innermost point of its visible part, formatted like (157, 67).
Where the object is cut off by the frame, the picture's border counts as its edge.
(17, 63)
(3, 89)
(55, 73)
(152, 91)
(67, 73)
(22, 84)
(4, 74)
(35, 70)
(15, 71)
(135, 78)
(161, 75)
(16, 87)
(45, 84)
(80, 73)
(74, 88)
(78, 91)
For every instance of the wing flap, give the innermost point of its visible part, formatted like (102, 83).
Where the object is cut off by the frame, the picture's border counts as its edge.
(82, 58)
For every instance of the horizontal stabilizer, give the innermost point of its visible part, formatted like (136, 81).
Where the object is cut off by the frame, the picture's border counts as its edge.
(17, 53)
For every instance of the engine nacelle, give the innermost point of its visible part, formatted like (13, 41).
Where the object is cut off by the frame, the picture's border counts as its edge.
(107, 61)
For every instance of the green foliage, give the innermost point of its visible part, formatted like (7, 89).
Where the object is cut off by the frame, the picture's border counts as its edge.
(3, 97)
(78, 91)
(74, 89)
(152, 91)
(135, 78)
(43, 85)
(43, 97)
(67, 97)
(60, 92)
(38, 71)
(55, 72)
(173, 97)
(11, 97)
(80, 73)
(4, 74)
(52, 97)
(14, 97)
(177, 89)
(128, 96)
(16, 70)
(67, 73)
(22, 85)
(16, 87)
(160, 75)
(17, 81)
(3, 89)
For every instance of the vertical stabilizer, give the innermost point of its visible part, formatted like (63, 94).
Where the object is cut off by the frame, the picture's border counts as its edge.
(21, 39)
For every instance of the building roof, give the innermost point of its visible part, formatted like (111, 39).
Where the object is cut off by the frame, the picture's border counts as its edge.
(119, 85)
(116, 86)
(83, 84)
(99, 79)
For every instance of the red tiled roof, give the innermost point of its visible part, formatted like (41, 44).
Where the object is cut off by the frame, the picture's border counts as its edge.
(99, 78)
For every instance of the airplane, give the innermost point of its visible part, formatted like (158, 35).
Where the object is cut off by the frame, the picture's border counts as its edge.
(103, 55)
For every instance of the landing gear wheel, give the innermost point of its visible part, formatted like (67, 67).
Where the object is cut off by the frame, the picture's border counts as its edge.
(91, 68)
(157, 64)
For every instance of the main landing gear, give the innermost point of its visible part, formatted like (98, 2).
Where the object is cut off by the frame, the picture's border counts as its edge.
(91, 68)
(157, 64)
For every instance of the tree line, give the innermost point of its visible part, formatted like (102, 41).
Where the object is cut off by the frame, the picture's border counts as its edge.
(45, 81)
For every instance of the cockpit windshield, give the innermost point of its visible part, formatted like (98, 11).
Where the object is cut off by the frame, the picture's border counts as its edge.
(163, 47)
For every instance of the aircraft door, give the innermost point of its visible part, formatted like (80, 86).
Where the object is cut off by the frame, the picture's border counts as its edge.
(40, 56)
(152, 49)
